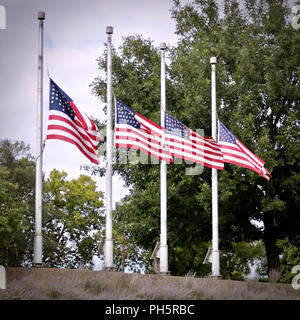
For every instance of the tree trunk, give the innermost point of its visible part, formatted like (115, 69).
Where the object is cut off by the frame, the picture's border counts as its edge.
(272, 250)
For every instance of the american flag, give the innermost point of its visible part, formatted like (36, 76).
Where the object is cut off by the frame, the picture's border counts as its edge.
(186, 144)
(236, 153)
(135, 131)
(67, 123)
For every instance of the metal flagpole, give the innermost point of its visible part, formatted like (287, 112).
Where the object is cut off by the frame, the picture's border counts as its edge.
(214, 177)
(108, 251)
(163, 174)
(38, 240)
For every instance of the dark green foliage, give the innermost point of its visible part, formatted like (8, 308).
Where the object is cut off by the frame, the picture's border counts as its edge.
(236, 262)
(290, 258)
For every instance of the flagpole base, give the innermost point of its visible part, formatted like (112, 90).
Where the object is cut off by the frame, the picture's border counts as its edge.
(163, 273)
(110, 269)
(38, 265)
(163, 263)
(215, 266)
(108, 254)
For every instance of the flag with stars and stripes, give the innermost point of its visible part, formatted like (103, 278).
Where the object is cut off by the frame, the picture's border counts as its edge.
(236, 153)
(67, 123)
(186, 144)
(135, 131)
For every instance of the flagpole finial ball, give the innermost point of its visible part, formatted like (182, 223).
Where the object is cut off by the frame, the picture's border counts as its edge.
(163, 46)
(109, 30)
(41, 15)
(213, 60)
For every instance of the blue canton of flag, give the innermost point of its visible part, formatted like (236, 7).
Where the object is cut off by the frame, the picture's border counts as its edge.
(59, 100)
(225, 135)
(175, 127)
(125, 115)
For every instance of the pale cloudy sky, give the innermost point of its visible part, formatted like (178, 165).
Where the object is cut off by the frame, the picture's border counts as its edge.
(74, 37)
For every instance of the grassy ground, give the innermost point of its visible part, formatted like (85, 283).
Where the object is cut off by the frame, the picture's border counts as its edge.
(66, 284)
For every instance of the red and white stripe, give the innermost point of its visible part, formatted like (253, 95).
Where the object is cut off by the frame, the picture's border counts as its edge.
(202, 150)
(241, 156)
(82, 132)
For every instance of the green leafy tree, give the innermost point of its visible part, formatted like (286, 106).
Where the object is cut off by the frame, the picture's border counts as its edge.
(236, 263)
(258, 99)
(72, 213)
(290, 257)
(129, 255)
(17, 173)
(258, 90)
(72, 220)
